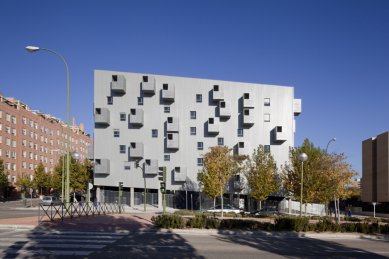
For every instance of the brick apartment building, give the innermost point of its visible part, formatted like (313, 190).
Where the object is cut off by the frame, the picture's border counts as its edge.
(28, 137)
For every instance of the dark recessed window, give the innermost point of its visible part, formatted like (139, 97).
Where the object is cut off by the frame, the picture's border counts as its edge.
(279, 129)
(192, 130)
(211, 120)
(200, 146)
(169, 119)
(166, 157)
(145, 79)
(116, 133)
(133, 112)
(170, 136)
(220, 141)
(109, 100)
(200, 161)
(122, 149)
(247, 112)
(123, 116)
(140, 100)
(240, 132)
(241, 144)
(98, 110)
(216, 88)
(154, 133)
(266, 101)
(222, 104)
(115, 78)
(246, 96)
(165, 87)
(193, 115)
(199, 98)
(267, 148)
(166, 109)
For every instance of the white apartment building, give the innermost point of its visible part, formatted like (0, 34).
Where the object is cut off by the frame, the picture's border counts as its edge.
(166, 121)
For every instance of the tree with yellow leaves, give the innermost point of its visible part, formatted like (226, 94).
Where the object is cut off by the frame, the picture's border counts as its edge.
(217, 170)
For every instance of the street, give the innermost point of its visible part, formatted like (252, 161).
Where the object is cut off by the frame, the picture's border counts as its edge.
(132, 235)
(19, 243)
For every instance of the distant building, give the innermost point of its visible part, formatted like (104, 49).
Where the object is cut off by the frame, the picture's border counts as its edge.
(166, 121)
(28, 137)
(375, 169)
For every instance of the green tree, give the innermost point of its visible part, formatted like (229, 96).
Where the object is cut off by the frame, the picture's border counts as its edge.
(80, 174)
(41, 179)
(217, 170)
(3, 179)
(261, 175)
(291, 172)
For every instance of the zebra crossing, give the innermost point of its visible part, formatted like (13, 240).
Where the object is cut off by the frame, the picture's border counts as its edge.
(18, 243)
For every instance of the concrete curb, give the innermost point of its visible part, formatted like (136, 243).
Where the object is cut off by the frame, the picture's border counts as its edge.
(313, 235)
(10, 226)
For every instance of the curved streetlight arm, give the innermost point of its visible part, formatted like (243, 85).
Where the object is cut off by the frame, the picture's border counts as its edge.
(329, 142)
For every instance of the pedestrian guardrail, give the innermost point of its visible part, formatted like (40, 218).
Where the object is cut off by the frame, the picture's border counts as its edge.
(71, 210)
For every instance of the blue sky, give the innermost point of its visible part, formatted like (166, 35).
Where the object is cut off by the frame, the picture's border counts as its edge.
(335, 54)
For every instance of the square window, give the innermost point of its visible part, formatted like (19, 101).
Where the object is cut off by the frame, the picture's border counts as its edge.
(109, 100)
(210, 120)
(220, 141)
(192, 115)
(240, 132)
(166, 109)
(170, 136)
(154, 133)
(246, 112)
(122, 116)
(200, 146)
(279, 128)
(267, 117)
(122, 149)
(266, 101)
(116, 133)
(267, 148)
(166, 157)
(246, 96)
(169, 119)
(192, 130)
(165, 87)
(216, 88)
(222, 104)
(114, 78)
(241, 144)
(200, 161)
(145, 79)
(140, 100)
(199, 98)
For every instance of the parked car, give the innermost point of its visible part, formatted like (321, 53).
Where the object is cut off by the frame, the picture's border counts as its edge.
(51, 200)
(227, 208)
(266, 210)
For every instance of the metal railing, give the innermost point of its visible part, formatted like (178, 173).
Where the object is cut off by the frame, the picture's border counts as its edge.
(60, 212)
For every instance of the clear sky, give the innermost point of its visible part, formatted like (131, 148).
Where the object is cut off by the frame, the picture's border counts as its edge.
(335, 54)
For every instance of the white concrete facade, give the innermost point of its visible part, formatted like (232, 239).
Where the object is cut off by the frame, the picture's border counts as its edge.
(164, 122)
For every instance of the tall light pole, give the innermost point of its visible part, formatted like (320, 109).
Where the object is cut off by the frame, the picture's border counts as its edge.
(63, 171)
(35, 49)
(302, 157)
(336, 204)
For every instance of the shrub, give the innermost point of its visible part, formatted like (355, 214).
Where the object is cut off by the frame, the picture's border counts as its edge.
(168, 221)
(292, 224)
(352, 219)
(203, 221)
(326, 224)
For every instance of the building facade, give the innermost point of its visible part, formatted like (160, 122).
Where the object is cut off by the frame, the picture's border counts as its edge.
(165, 121)
(375, 169)
(28, 137)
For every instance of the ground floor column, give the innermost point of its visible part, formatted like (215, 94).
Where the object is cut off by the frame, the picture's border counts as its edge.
(132, 196)
(98, 194)
(160, 205)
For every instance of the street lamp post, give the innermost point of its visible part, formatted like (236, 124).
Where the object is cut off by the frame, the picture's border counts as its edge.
(144, 183)
(35, 49)
(63, 171)
(336, 204)
(302, 157)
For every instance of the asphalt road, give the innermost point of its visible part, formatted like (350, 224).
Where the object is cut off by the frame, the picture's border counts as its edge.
(16, 209)
(17, 243)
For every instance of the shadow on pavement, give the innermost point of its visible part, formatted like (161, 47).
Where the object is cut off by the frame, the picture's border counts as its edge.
(292, 245)
(105, 236)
